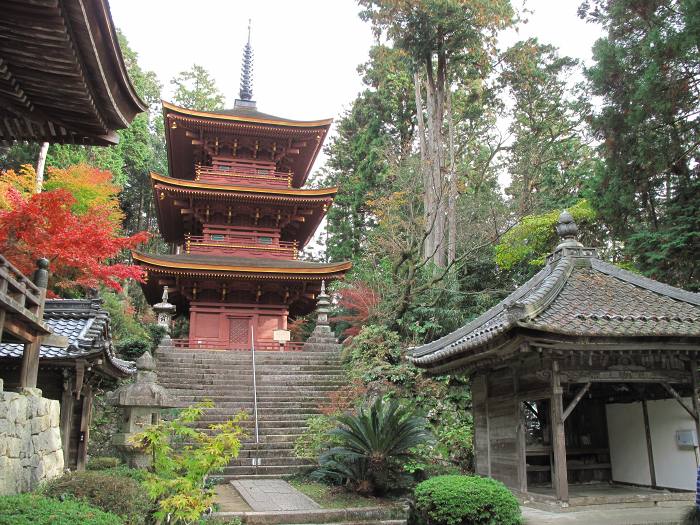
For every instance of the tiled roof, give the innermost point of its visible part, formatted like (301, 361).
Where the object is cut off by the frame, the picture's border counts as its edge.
(86, 326)
(576, 294)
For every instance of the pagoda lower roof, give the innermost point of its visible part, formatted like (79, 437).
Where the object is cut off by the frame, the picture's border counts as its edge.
(219, 266)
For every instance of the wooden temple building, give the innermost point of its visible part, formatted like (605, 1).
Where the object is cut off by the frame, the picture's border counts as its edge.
(234, 209)
(584, 382)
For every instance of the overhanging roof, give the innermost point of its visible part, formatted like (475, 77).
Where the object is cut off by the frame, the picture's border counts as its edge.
(575, 297)
(62, 75)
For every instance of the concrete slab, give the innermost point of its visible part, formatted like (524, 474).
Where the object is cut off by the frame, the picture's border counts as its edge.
(628, 516)
(272, 495)
(229, 500)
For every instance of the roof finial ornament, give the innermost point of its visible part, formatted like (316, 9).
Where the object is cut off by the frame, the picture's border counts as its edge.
(246, 92)
(566, 227)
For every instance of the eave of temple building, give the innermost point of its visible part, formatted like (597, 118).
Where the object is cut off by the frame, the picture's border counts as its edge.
(192, 137)
(62, 75)
(221, 278)
(183, 206)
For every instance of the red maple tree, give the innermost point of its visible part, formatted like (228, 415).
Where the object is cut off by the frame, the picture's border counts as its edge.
(81, 248)
(356, 305)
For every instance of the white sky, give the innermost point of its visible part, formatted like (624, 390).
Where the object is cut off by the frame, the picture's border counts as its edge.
(306, 52)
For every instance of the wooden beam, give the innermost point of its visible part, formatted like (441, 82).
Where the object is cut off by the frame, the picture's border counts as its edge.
(559, 479)
(650, 452)
(30, 365)
(67, 401)
(678, 398)
(575, 401)
(85, 416)
(696, 404)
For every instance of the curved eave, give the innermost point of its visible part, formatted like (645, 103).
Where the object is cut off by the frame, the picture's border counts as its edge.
(291, 192)
(240, 118)
(280, 271)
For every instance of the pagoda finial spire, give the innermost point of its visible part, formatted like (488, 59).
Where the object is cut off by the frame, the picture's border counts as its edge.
(246, 92)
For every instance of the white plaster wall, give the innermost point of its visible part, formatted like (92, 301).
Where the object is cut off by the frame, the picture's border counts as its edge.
(628, 447)
(675, 467)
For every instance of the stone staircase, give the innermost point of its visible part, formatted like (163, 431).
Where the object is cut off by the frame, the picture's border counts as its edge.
(290, 386)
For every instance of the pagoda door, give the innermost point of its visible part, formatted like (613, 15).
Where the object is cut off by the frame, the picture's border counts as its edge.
(239, 333)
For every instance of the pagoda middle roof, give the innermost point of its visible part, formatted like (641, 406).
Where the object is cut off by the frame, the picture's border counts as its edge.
(223, 266)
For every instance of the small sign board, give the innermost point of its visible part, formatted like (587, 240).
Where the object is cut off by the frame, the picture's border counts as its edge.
(281, 336)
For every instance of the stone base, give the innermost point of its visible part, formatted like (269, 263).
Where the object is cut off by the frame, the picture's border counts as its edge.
(30, 440)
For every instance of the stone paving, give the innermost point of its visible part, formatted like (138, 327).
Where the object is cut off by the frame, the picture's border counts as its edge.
(620, 516)
(272, 495)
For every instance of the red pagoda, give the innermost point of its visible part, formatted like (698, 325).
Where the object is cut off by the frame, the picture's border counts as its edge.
(234, 209)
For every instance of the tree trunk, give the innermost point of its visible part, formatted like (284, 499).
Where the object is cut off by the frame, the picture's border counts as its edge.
(452, 204)
(425, 168)
(40, 165)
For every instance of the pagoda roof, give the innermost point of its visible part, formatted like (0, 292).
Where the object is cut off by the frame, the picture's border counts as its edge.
(578, 301)
(170, 220)
(239, 122)
(221, 266)
(62, 74)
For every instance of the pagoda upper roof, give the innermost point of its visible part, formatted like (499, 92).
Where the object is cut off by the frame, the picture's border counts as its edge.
(184, 141)
(62, 74)
(221, 266)
(577, 300)
(170, 219)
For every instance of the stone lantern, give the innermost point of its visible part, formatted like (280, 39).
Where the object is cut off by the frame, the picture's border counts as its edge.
(142, 403)
(164, 315)
(322, 307)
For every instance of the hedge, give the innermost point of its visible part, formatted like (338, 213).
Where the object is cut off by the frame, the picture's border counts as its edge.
(31, 509)
(465, 500)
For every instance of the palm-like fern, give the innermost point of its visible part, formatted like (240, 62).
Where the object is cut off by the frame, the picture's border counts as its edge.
(373, 444)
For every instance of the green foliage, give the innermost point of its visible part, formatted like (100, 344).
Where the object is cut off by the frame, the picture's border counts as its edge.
(314, 440)
(375, 354)
(534, 237)
(32, 509)
(118, 495)
(183, 457)
(196, 89)
(465, 500)
(103, 462)
(691, 516)
(373, 446)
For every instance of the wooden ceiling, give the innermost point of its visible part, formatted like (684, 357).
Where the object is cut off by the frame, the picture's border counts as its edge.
(62, 75)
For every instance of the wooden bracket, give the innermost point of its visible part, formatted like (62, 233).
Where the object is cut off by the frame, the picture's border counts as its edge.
(678, 398)
(576, 400)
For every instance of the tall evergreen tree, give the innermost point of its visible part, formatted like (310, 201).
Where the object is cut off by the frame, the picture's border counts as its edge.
(196, 89)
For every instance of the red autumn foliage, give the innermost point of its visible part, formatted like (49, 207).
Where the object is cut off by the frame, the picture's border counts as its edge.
(356, 304)
(343, 399)
(79, 247)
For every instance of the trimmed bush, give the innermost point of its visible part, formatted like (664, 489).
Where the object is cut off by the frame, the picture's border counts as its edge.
(31, 509)
(103, 462)
(465, 500)
(112, 493)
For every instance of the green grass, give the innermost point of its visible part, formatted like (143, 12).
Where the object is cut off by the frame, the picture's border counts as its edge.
(332, 497)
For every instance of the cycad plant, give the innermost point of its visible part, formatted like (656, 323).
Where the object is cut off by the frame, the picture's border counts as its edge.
(374, 445)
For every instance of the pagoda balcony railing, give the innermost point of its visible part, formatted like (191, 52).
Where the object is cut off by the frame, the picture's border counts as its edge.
(224, 244)
(19, 295)
(243, 175)
(260, 346)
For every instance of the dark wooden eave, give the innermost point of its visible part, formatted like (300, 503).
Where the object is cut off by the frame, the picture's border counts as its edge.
(62, 75)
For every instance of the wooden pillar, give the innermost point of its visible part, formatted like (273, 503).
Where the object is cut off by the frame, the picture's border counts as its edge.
(30, 356)
(650, 451)
(67, 400)
(559, 478)
(696, 403)
(520, 441)
(84, 435)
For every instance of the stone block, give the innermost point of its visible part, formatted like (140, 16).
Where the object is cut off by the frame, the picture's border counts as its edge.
(54, 413)
(40, 424)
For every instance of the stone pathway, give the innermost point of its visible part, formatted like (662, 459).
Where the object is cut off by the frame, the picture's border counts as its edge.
(621, 516)
(272, 495)
(229, 500)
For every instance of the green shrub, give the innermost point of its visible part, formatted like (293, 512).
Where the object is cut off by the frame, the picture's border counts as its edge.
(465, 500)
(103, 462)
(32, 509)
(314, 440)
(133, 347)
(111, 493)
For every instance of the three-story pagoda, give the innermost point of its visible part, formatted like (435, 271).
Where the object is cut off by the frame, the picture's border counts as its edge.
(234, 208)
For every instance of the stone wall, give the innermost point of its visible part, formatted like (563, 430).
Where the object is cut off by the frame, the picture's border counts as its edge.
(30, 440)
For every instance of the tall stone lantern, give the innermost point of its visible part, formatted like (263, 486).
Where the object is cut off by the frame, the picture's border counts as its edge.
(142, 403)
(164, 316)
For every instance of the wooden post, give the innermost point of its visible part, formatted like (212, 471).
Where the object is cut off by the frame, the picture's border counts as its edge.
(67, 401)
(696, 404)
(520, 441)
(30, 356)
(559, 478)
(650, 452)
(85, 417)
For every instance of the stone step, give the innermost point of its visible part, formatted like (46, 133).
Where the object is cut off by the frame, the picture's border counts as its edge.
(277, 471)
(267, 461)
(385, 515)
(262, 381)
(199, 373)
